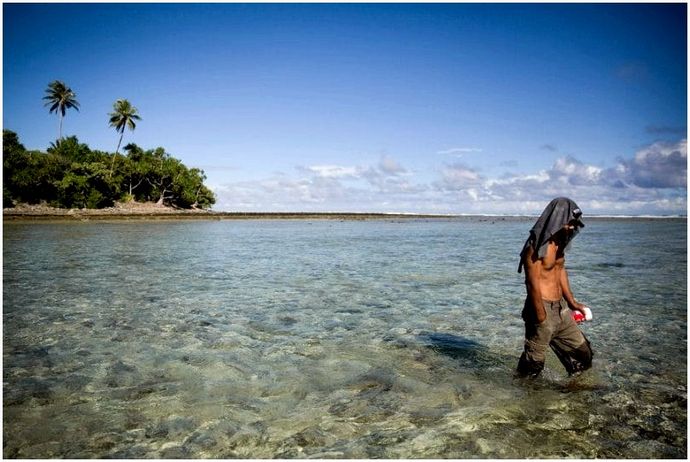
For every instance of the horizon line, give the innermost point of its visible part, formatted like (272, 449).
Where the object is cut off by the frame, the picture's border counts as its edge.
(447, 215)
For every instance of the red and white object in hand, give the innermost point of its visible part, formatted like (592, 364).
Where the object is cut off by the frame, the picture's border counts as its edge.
(579, 316)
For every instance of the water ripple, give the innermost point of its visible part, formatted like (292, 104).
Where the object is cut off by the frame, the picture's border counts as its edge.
(295, 339)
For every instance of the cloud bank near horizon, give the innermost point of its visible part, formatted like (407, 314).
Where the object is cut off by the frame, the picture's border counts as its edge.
(652, 182)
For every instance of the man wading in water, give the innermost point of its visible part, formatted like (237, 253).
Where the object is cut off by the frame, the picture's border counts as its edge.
(547, 316)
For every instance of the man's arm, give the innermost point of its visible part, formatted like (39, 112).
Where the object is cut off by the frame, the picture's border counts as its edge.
(567, 293)
(533, 270)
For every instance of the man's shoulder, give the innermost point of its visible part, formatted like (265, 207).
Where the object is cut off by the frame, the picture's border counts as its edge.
(530, 258)
(552, 255)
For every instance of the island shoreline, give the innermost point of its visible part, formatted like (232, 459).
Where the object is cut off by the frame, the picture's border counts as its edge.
(81, 215)
(150, 212)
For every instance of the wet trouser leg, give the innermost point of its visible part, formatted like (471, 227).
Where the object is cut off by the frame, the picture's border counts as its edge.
(570, 344)
(537, 339)
(560, 332)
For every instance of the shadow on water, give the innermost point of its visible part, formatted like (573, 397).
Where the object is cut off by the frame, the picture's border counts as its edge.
(474, 357)
(469, 353)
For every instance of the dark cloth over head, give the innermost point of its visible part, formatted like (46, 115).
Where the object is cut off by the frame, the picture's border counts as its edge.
(555, 216)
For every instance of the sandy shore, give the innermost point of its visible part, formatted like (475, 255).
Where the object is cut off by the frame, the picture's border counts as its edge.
(151, 211)
(131, 211)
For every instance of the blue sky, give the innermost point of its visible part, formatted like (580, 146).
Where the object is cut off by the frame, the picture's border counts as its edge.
(446, 108)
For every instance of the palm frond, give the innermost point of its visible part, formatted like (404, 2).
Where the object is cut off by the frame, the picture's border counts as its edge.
(60, 97)
(123, 115)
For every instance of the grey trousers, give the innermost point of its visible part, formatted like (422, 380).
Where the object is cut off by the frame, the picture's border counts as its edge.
(560, 332)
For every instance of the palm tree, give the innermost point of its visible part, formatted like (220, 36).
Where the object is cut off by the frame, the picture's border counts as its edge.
(60, 97)
(123, 115)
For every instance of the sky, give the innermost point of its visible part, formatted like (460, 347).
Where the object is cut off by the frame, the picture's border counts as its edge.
(412, 108)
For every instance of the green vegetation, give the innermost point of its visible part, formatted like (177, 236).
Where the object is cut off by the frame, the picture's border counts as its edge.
(71, 175)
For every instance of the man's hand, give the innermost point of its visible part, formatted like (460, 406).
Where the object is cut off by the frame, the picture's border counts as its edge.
(576, 306)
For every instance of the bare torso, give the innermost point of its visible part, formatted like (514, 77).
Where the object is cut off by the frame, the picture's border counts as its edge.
(547, 279)
(547, 271)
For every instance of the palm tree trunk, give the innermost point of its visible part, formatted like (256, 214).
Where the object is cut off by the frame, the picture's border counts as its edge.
(112, 166)
(60, 131)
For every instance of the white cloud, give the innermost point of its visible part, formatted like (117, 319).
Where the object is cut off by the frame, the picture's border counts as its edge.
(459, 177)
(390, 177)
(382, 187)
(390, 166)
(653, 181)
(459, 151)
(661, 165)
(571, 171)
(333, 171)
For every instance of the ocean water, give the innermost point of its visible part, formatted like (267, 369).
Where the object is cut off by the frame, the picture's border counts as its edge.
(333, 339)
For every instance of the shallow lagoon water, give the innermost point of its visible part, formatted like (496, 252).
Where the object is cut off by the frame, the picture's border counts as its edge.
(329, 339)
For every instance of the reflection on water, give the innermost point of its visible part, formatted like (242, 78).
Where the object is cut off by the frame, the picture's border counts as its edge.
(326, 339)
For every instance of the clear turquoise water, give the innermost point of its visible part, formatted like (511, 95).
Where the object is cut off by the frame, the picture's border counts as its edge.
(329, 339)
